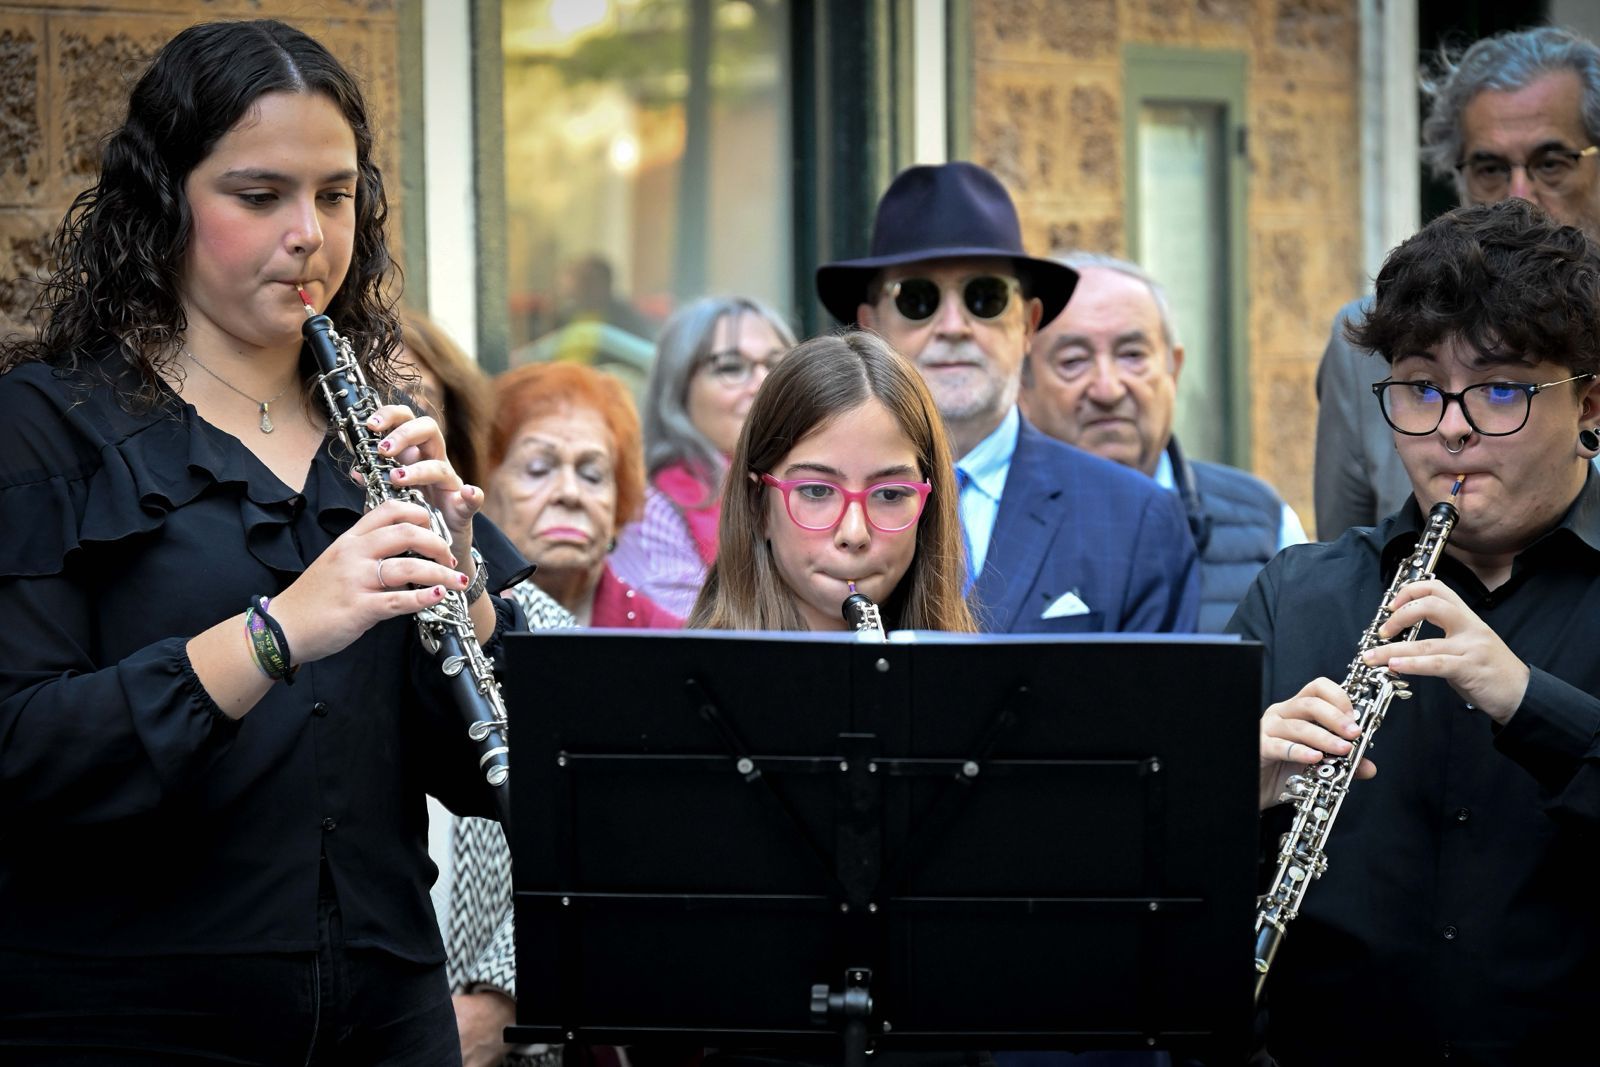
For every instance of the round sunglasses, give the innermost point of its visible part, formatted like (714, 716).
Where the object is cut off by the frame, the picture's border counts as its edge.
(985, 296)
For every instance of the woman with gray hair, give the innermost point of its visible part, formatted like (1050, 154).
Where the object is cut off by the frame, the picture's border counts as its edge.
(711, 357)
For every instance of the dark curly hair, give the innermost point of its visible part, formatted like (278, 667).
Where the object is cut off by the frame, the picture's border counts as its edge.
(116, 254)
(1504, 278)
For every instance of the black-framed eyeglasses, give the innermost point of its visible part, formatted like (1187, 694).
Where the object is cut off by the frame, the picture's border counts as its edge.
(986, 296)
(1488, 177)
(735, 369)
(1492, 409)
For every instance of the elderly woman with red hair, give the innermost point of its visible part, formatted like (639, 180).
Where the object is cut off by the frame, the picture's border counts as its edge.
(566, 470)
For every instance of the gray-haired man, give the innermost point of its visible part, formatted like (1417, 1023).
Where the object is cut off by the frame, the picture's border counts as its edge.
(1516, 115)
(1104, 376)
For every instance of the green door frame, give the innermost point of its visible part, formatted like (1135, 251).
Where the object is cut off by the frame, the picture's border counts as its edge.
(1152, 74)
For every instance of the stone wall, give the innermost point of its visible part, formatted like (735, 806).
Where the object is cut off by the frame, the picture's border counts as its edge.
(1047, 117)
(65, 72)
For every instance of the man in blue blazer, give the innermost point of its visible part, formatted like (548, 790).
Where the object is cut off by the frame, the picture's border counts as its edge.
(1058, 541)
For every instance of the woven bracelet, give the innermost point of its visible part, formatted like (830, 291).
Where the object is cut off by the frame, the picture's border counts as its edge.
(271, 648)
(256, 630)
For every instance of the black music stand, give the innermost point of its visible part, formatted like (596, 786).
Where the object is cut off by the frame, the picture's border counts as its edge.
(796, 842)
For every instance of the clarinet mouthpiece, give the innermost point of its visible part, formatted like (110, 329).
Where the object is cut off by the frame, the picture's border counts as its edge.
(862, 615)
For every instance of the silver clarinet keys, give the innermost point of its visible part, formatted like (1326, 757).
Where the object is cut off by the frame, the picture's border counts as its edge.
(1318, 793)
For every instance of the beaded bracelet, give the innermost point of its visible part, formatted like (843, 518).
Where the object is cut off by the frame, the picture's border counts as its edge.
(267, 643)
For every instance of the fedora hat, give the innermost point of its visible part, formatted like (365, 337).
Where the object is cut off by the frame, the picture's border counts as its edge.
(943, 212)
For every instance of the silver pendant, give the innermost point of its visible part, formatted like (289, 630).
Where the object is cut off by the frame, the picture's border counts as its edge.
(266, 421)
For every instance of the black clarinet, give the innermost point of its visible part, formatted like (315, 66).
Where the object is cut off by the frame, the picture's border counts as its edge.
(446, 628)
(863, 616)
(1318, 792)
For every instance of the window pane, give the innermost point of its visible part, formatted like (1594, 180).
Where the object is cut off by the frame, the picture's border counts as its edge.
(646, 146)
(1183, 243)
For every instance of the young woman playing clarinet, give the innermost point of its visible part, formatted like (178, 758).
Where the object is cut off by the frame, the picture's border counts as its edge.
(216, 725)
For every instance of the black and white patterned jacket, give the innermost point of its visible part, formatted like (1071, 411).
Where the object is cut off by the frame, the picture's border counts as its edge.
(479, 948)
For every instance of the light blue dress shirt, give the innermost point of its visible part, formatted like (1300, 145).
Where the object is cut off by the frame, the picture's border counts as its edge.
(986, 468)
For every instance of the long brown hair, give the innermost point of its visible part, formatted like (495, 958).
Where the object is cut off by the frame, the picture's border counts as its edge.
(816, 382)
(466, 404)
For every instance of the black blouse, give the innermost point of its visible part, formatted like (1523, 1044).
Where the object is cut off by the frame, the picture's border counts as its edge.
(135, 817)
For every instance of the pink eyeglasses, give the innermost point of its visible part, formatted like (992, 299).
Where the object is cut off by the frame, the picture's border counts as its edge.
(815, 505)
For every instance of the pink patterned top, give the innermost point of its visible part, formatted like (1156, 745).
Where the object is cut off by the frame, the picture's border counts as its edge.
(660, 556)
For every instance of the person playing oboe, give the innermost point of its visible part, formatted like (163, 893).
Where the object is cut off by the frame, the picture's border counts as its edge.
(216, 724)
(1456, 918)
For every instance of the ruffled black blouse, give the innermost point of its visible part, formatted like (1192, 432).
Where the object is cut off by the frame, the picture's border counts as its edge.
(135, 817)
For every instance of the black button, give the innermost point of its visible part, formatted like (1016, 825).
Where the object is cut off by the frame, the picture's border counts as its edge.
(1449, 931)
(1463, 814)
(329, 825)
(319, 709)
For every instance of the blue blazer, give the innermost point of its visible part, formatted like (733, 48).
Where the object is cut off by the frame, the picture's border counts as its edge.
(1073, 523)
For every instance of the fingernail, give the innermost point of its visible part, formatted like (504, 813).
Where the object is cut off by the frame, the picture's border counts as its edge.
(385, 445)
(452, 561)
(461, 579)
(373, 421)
(438, 592)
(399, 474)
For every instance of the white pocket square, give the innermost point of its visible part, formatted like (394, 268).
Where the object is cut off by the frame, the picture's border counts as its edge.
(1065, 605)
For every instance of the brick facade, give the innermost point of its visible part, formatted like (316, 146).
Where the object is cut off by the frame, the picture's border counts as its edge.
(1047, 117)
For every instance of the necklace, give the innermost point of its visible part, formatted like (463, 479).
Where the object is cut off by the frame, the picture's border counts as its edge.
(266, 420)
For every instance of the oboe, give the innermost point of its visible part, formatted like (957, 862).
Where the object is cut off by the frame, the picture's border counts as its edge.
(446, 628)
(1318, 793)
(861, 613)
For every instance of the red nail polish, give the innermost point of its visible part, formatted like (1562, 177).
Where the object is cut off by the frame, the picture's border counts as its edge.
(400, 474)
(462, 578)
(385, 445)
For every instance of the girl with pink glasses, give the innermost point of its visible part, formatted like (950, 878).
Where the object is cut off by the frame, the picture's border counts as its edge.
(841, 474)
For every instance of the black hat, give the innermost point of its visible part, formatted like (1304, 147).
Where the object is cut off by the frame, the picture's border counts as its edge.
(943, 212)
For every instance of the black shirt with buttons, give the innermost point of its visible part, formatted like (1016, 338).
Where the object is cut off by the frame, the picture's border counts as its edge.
(1459, 918)
(136, 819)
